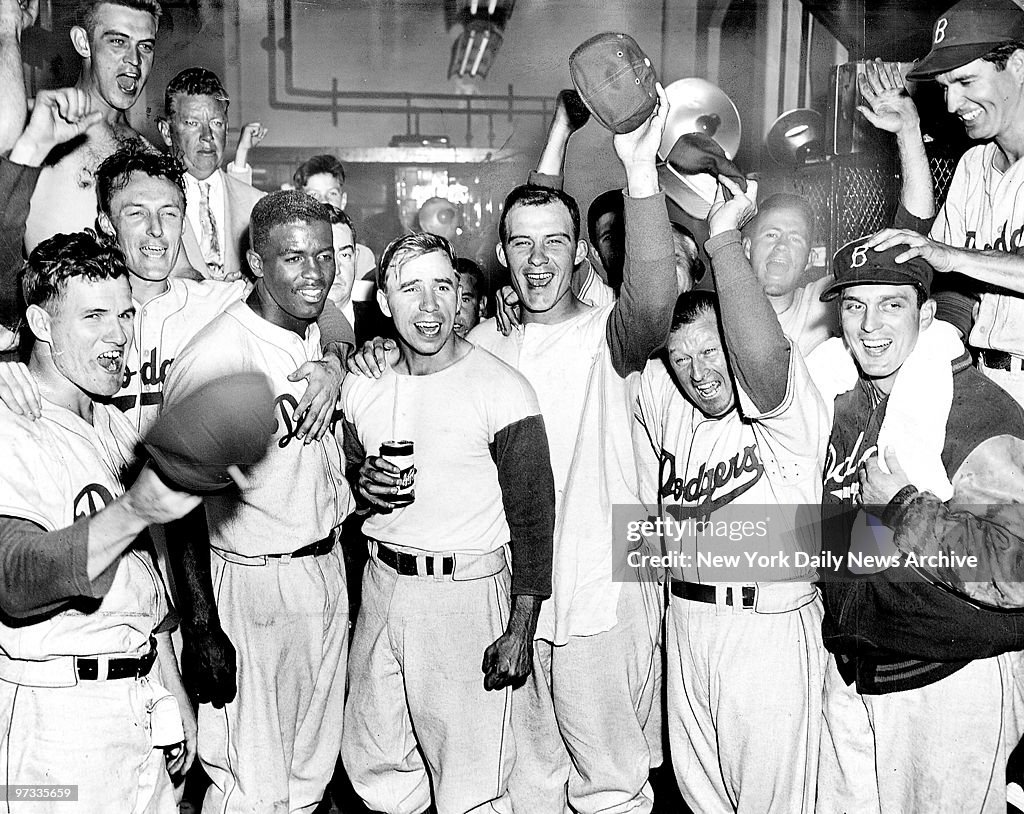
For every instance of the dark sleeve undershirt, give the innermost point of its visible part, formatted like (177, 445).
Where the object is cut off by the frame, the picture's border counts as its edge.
(520, 452)
(42, 571)
(335, 328)
(758, 349)
(903, 219)
(17, 183)
(642, 315)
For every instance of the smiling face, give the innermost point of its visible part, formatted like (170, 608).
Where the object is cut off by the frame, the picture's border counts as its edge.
(880, 325)
(118, 53)
(778, 246)
(295, 272)
(326, 188)
(697, 357)
(196, 133)
(88, 328)
(146, 219)
(988, 101)
(422, 298)
(541, 255)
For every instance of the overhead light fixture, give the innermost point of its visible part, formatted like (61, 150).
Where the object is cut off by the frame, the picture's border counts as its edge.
(474, 51)
(477, 45)
(797, 137)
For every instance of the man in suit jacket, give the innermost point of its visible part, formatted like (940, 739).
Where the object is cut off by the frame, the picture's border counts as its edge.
(217, 206)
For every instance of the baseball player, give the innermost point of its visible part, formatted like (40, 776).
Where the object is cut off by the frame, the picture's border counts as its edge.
(422, 722)
(922, 697)
(592, 691)
(777, 244)
(280, 580)
(738, 431)
(142, 207)
(977, 56)
(83, 612)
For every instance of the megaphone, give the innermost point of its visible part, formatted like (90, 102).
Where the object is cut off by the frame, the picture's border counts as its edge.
(697, 107)
(797, 137)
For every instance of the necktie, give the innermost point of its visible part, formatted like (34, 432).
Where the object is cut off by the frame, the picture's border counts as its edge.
(210, 244)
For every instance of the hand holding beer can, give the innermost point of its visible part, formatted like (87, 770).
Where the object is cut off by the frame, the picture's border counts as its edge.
(400, 455)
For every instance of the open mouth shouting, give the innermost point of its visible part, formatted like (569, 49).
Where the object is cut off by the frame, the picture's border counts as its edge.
(112, 361)
(429, 329)
(129, 82)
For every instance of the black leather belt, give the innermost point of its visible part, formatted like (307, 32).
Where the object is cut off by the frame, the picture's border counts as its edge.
(317, 549)
(1000, 359)
(89, 669)
(696, 592)
(405, 564)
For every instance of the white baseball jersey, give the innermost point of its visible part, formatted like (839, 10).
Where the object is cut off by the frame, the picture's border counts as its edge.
(711, 469)
(162, 328)
(984, 209)
(57, 470)
(587, 411)
(298, 493)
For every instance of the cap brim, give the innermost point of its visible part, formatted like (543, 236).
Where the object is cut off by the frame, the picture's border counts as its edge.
(946, 59)
(870, 277)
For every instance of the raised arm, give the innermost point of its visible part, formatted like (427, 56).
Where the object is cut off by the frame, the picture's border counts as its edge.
(758, 350)
(15, 17)
(888, 107)
(42, 572)
(641, 317)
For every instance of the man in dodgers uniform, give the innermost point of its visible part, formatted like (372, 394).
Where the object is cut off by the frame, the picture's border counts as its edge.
(422, 719)
(596, 663)
(83, 612)
(142, 207)
(917, 670)
(739, 433)
(977, 56)
(280, 580)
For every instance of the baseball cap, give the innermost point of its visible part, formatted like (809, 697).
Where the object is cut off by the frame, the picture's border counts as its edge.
(967, 32)
(857, 264)
(615, 80)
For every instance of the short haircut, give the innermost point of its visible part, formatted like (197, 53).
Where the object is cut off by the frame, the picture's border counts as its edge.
(85, 12)
(609, 202)
(408, 247)
(531, 195)
(196, 81)
(315, 166)
(279, 208)
(467, 268)
(117, 169)
(339, 216)
(62, 257)
(691, 305)
(697, 267)
(999, 55)
(784, 200)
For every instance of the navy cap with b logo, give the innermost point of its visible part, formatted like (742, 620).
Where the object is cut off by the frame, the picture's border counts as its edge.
(967, 32)
(856, 264)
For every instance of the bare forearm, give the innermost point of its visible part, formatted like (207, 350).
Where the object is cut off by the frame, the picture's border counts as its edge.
(189, 538)
(12, 85)
(917, 194)
(991, 266)
(552, 159)
(522, 621)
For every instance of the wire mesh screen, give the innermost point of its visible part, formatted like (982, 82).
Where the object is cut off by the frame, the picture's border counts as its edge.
(856, 195)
